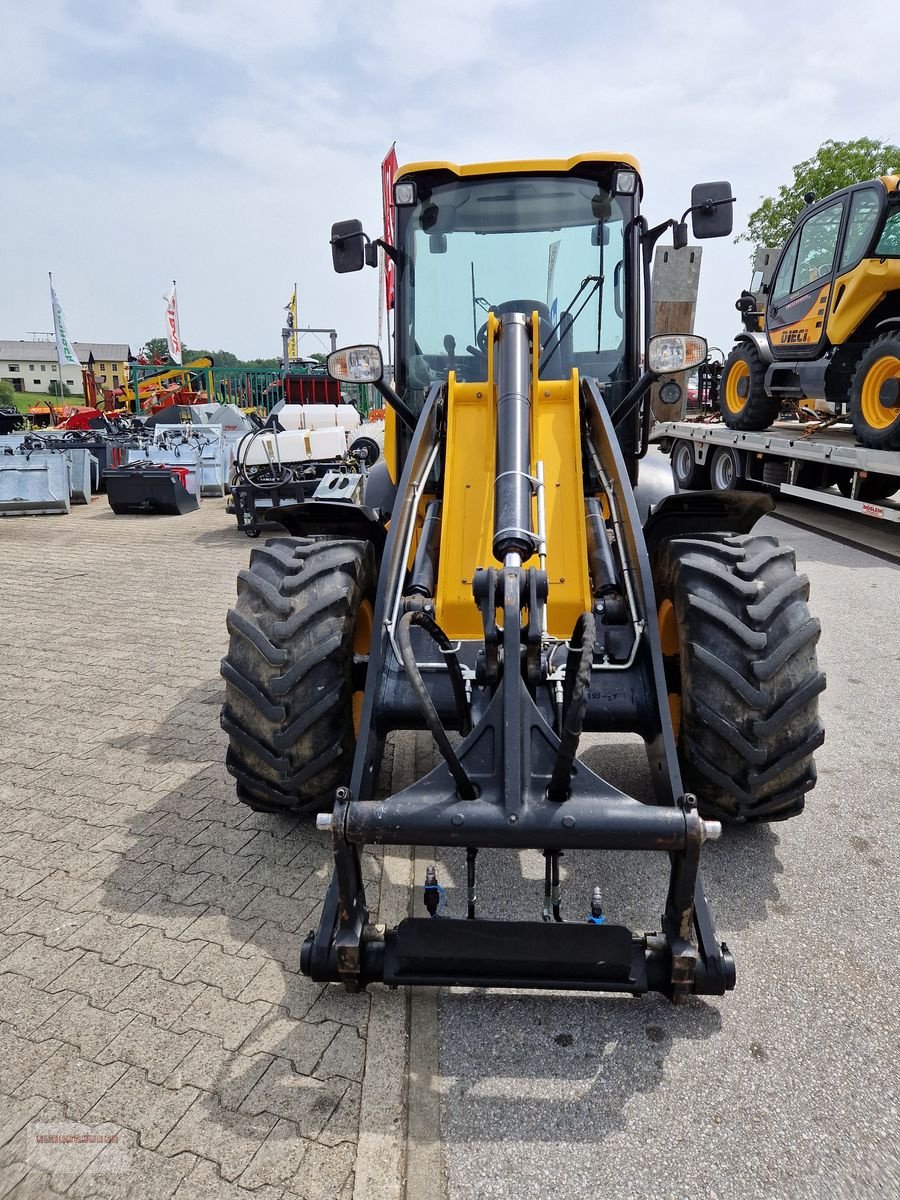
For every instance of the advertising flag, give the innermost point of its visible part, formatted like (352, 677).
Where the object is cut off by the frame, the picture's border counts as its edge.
(291, 309)
(388, 170)
(173, 332)
(65, 352)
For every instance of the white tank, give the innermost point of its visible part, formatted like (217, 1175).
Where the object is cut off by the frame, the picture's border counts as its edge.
(327, 443)
(321, 416)
(292, 447)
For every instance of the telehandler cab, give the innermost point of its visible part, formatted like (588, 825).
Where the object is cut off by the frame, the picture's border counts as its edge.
(822, 320)
(499, 582)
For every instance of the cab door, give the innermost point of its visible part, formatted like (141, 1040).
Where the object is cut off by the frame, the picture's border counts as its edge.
(798, 299)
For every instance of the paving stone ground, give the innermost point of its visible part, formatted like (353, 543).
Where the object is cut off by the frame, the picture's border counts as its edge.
(150, 925)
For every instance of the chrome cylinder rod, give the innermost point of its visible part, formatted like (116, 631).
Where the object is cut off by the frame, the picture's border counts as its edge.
(513, 530)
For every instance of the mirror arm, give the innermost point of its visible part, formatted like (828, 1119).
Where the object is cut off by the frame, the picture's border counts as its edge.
(403, 411)
(634, 396)
(649, 237)
(705, 207)
(370, 249)
(391, 251)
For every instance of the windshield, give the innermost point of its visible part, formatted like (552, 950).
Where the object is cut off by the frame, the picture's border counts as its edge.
(552, 244)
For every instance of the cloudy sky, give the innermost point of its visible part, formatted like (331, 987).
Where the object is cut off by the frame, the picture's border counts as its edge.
(215, 141)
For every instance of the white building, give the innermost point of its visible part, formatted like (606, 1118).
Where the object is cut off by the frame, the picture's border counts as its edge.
(30, 366)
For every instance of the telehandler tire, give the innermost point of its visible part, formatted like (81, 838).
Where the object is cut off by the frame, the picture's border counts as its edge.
(876, 416)
(743, 400)
(304, 609)
(739, 648)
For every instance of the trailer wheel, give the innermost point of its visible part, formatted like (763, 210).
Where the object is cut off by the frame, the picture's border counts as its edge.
(291, 688)
(687, 471)
(875, 395)
(739, 648)
(743, 400)
(726, 469)
(873, 487)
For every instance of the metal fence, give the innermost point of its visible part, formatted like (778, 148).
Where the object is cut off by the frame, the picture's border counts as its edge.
(247, 387)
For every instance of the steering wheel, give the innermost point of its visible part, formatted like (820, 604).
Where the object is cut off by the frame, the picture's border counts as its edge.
(522, 306)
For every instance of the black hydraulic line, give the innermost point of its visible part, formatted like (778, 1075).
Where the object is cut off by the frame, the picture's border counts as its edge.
(464, 787)
(424, 569)
(240, 464)
(579, 667)
(601, 564)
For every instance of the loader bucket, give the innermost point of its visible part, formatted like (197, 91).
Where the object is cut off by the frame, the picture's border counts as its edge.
(147, 488)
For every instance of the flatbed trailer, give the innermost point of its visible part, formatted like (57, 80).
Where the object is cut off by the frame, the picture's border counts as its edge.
(824, 465)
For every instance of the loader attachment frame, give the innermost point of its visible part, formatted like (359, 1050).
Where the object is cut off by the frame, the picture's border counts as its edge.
(514, 780)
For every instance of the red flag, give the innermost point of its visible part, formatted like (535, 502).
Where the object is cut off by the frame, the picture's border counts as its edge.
(388, 170)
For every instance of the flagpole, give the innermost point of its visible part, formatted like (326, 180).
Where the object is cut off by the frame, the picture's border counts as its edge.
(58, 359)
(177, 321)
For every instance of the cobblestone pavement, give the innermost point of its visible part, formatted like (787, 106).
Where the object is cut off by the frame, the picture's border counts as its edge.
(150, 925)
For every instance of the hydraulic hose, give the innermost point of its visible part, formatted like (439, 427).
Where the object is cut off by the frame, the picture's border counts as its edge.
(241, 468)
(464, 786)
(578, 670)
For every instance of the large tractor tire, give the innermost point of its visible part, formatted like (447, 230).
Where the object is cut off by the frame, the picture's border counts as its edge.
(292, 690)
(739, 648)
(875, 394)
(743, 400)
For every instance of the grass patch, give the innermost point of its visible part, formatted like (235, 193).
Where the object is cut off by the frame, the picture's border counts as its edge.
(25, 400)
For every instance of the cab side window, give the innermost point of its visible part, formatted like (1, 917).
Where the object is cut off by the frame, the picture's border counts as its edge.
(784, 279)
(863, 218)
(889, 242)
(818, 242)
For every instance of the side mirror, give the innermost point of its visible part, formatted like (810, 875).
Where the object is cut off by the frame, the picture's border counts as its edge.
(600, 233)
(356, 364)
(437, 243)
(711, 209)
(348, 243)
(671, 352)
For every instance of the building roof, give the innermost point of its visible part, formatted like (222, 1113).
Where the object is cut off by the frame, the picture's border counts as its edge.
(46, 351)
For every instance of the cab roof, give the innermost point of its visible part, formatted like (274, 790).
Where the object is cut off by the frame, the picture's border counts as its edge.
(523, 166)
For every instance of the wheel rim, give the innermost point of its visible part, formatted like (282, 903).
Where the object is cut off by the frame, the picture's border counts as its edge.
(735, 402)
(683, 462)
(875, 414)
(362, 642)
(723, 472)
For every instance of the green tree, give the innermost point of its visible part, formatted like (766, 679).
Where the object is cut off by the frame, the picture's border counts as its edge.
(7, 394)
(834, 165)
(156, 348)
(53, 388)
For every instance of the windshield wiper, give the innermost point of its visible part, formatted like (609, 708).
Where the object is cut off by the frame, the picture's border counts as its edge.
(597, 281)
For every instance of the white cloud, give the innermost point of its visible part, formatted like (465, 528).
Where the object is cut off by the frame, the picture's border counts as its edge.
(216, 140)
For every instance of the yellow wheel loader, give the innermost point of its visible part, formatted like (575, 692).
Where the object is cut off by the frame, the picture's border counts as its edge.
(828, 334)
(512, 576)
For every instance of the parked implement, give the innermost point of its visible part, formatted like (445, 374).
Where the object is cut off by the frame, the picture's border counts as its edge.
(828, 333)
(521, 597)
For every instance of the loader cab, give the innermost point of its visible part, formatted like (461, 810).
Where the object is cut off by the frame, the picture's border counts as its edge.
(823, 286)
(557, 238)
(485, 239)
